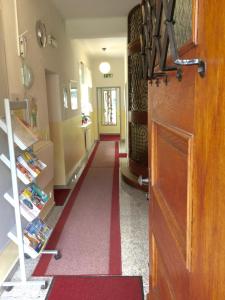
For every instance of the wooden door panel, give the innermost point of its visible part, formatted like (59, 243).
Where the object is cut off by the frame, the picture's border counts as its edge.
(171, 169)
(171, 177)
(164, 288)
(161, 288)
(173, 103)
(168, 255)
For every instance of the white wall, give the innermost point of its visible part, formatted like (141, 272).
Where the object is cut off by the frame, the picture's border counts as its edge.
(3, 74)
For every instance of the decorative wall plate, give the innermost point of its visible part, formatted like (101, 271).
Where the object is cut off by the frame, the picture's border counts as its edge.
(41, 34)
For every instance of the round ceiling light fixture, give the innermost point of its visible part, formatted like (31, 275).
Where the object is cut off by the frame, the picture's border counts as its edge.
(104, 67)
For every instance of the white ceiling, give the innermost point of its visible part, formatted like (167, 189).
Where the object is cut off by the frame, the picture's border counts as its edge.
(85, 28)
(115, 47)
(97, 24)
(70, 9)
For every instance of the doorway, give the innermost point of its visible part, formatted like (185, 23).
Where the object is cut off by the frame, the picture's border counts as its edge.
(108, 99)
(53, 99)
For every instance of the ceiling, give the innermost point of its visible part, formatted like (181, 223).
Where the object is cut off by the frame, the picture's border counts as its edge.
(115, 47)
(71, 9)
(97, 24)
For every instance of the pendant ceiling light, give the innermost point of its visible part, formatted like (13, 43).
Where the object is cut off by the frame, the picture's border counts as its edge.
(104, 67)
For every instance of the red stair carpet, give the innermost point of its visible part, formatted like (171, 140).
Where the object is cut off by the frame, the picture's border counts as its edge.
(88, 231)
(96, 288)
(60, 196)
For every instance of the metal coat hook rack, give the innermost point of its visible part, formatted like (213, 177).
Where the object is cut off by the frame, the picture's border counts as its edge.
(156, 42)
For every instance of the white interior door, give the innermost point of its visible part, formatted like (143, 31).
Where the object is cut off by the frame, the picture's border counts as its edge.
(108, 110)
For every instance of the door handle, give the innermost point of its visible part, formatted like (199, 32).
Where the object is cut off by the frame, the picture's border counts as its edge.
(142, 180)
(191, 62)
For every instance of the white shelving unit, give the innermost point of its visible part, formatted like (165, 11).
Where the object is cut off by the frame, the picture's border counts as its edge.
(23, 137)
(20, 175)
(19, 134)
(23, 209)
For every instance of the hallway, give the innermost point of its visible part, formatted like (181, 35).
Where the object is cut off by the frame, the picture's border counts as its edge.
(134, 240)
(167, 65)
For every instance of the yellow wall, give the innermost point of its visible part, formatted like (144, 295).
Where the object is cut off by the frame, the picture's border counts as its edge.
(73, 143)
(64, 61)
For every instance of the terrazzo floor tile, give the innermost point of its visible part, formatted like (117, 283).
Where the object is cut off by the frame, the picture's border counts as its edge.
(25, 293)
(134, 233)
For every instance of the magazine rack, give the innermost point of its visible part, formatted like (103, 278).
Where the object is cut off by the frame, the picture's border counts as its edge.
(19, 134)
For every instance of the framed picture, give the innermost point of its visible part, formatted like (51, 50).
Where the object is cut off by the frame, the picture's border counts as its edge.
(74, 94)
(65, 97)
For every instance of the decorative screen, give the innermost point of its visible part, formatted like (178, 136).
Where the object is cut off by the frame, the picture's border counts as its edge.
(183, 21)
(138, 87)
(134, 24)
(139, 143)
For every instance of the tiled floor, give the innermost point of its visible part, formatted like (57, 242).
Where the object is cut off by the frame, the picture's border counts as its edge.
(134, 233)
(134, 239)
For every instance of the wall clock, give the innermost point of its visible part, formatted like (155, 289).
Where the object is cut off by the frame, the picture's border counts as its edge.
(41, 34)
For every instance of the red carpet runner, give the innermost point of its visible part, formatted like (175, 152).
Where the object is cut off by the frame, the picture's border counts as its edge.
(60, 196)
(109, 137)
(88, 231)
(96, 288)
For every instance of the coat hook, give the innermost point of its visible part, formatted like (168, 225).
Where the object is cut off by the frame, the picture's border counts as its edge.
(166, 80)
(191, 62)
(179, 74)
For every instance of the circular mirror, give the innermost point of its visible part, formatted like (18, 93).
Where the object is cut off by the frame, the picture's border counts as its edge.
(41, 34)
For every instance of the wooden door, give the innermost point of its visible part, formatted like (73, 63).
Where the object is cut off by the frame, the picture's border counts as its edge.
(187, 207)
(172, 139)
(208, 258)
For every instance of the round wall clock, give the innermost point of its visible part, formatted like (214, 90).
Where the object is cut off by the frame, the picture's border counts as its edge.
(41, 34)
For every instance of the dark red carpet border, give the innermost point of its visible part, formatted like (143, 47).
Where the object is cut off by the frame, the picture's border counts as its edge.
(109, 137)
(60, 196)
(53, 240)
(122, 155)
(96, 288)
(115, 266)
